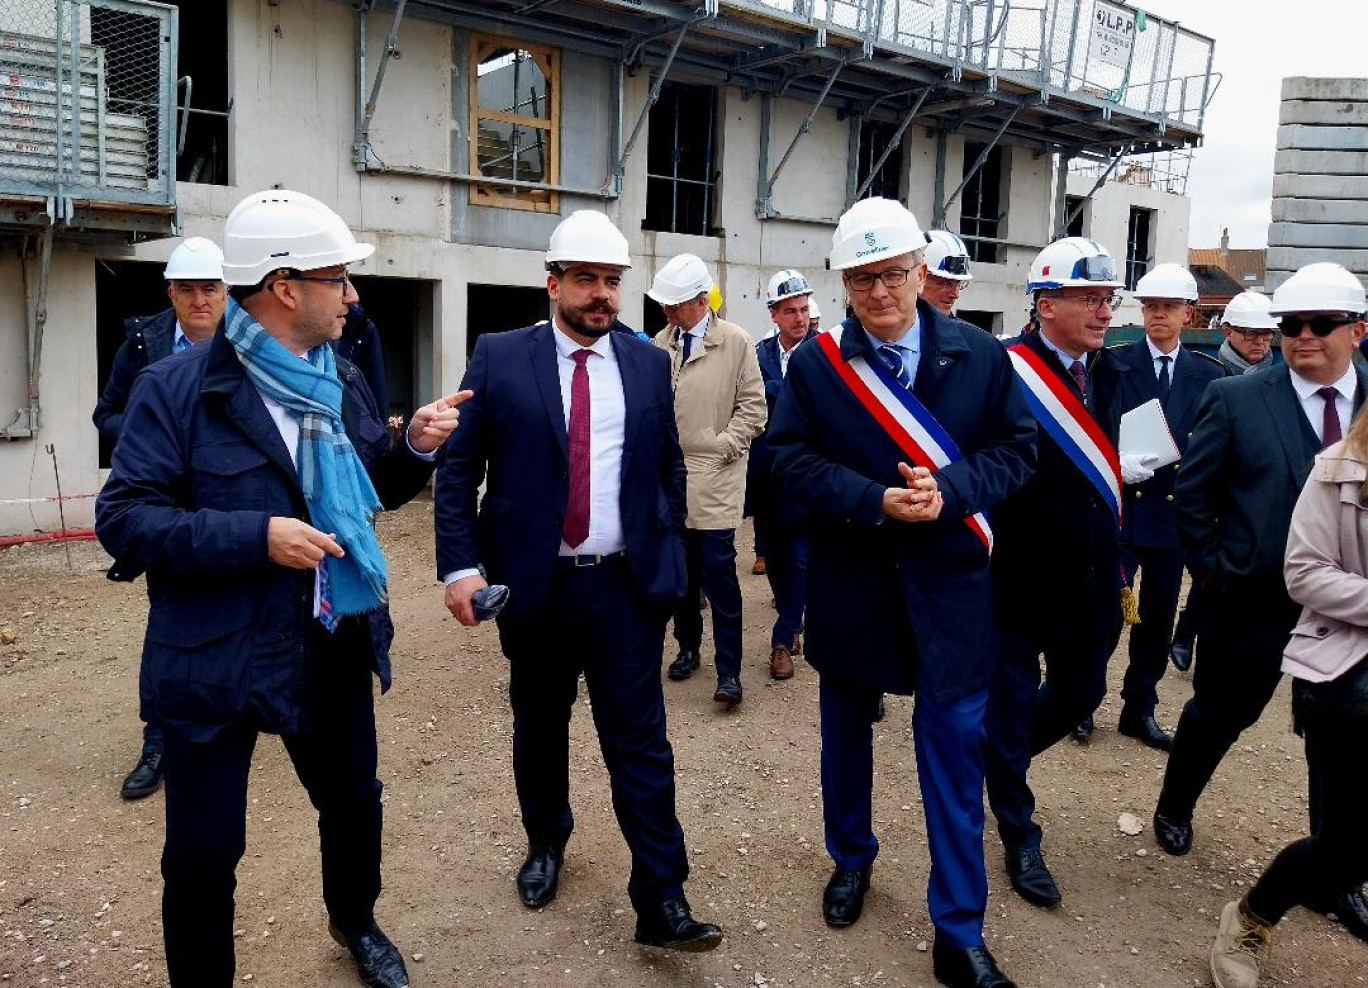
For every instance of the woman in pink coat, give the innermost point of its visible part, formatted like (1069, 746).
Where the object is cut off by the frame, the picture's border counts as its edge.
(1327, 573)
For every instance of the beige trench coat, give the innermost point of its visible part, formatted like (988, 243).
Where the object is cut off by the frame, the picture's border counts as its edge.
(719, 408)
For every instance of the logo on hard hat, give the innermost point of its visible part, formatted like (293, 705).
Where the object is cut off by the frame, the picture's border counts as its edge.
(869, 240)
(1045, 271)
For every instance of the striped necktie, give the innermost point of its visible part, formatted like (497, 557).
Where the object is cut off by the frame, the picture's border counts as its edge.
(891, 355)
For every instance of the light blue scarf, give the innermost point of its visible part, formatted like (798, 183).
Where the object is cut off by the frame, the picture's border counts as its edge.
(337, 490)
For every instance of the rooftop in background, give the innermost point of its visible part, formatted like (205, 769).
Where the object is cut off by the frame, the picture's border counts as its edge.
(1213, 284)
(1247, 267)
(1092, 80)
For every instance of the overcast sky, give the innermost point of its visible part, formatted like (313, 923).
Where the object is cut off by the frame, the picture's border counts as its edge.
(1257, 43)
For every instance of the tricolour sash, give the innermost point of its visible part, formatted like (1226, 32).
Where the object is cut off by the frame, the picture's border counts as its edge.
(900, 414)
(1069, 424)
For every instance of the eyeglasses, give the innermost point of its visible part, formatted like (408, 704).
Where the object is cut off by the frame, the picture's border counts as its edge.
(344, 280)
(1254, 335)
(1090, 302)
(1322, 325)
(891, 278)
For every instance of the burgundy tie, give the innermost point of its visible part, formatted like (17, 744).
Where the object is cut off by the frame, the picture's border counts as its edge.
(1330, 423)
(576, 528)
(1080, 375)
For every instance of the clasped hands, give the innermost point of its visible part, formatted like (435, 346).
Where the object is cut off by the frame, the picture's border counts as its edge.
(920, 500)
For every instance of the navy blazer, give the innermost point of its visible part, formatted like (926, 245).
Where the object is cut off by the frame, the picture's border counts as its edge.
(1250, 454)
(1149, 515)
(512, 432)
(198, 472)
(1057, 538)
(149, 339)
(762, 492)
(870, 577)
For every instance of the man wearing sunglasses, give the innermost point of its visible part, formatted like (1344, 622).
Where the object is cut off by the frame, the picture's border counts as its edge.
(1057, 566)
(899, 592)
(1157, 367)
(1251, 451)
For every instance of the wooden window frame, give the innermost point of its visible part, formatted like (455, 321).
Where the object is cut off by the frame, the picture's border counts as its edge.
(548, 61)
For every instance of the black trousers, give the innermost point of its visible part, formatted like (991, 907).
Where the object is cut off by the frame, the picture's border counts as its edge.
(594, 623)
(1160, 585)
(1244, 631)
(710, 555)
(206, 814)
(1315, 870)
(1026, 716)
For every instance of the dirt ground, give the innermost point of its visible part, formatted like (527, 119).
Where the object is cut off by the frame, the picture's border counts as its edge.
(80, 887)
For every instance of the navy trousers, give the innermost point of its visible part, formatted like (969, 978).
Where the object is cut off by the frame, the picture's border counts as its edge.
(153, 737)
(594, 623)
(786, 566)
(1026, 716)
(710, 555)
(949, 740)
(1160, 586)
(1243, 635)
(206, 814)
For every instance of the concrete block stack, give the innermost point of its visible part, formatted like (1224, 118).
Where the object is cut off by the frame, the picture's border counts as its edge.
(1320, 177)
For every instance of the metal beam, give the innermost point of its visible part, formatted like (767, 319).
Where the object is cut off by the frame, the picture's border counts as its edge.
(764, 208)
(362, 153)
(1101, 181)
(893, 143)
(620, 168)
(978, 163)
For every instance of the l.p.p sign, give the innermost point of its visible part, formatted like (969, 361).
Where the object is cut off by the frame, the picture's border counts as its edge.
(1113, 34)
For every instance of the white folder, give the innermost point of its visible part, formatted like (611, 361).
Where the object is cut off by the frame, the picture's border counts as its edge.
(1145, 430)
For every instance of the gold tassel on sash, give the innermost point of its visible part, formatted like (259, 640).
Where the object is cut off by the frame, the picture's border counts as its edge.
(1130, 607)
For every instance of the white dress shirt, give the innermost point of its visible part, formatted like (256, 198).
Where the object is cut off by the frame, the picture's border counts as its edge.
(1314, 405)
(1156, 364)
(784, 357)
(697, 331)
(607, 428)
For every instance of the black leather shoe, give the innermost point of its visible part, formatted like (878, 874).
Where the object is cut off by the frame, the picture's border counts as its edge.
(683, 667)
(728, 691)
(1083, 732)
(1144, 728)
(1174, 836)
(378, 962)
(145, 778)
(967, 967)
(1181, 654)
(1031, 878)
(673, 927)
(539, 875)
(1351, 909)
(843, 900)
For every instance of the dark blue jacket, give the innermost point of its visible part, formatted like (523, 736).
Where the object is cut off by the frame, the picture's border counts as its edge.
(359, 345)
(1250, 454)
(512, 435)
(149, 339)
(197, 474)
(1057, 551)
(870, 577)
(1149, 516)
(763, 492)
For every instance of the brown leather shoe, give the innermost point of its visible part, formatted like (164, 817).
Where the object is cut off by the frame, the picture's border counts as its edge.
(758, 568)
(781, 663)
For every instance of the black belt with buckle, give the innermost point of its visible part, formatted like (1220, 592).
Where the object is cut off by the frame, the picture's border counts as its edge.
(579, 562)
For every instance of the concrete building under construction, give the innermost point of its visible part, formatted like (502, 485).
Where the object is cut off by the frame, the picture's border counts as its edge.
(454, 135)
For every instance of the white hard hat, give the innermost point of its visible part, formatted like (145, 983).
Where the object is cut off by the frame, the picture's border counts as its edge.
(1167, 281)
(874, 230)
(1320, 287)
(1249, 310)
(814, 311)
(786, 284)
(196, 259)
(1073, 262)
(947, 257)
(683, 278)
(279, 229)
(588, 237)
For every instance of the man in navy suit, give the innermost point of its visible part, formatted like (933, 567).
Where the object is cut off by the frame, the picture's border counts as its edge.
(1157, 367)
(785, 522)
(573, 427)
(900, 596)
